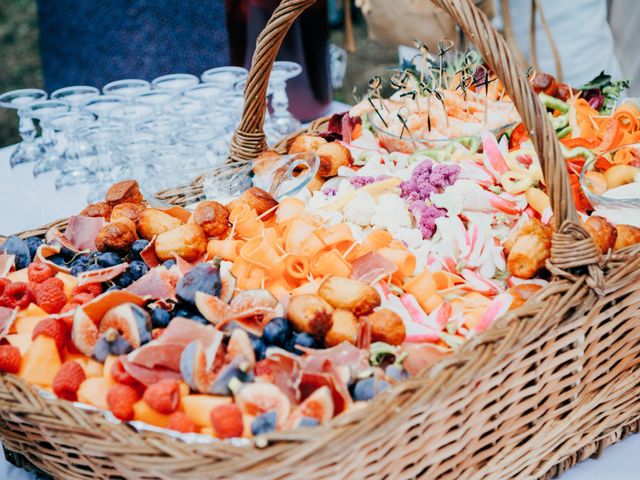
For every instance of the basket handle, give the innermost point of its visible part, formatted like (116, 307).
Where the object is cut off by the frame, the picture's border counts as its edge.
(249, 139)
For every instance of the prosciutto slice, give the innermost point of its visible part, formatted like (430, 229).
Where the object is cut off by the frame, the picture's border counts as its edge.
(149, 376)
(7, 263)
(7, 317)
(371, 267)
(157, 283)
(102, 275)
(148, 254)
(82, 231)
(165, 351)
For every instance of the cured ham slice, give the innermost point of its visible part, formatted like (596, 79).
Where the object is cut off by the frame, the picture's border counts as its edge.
(165, 351)
(44, 251)
(371, 267)
(157, 283)
(283, 370)
(102, 275)
(97, 307)
(149, 376)
(82, 231)
(7, 317)
(148, 254)
(7, 263)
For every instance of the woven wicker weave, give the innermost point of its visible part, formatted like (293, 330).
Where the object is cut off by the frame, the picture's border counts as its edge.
(548, 385)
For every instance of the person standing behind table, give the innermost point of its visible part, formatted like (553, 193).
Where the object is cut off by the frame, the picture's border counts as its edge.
(579, 30)
(624, 16)
(93, 42)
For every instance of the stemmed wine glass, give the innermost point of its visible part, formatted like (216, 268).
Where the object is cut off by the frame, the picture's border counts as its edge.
(200, 140)
(73, 172)
(157, 99)
(127, 89)
(43, 111)
(27, 150)
(281, 119)
(225, 77)
(102, 107)
(205, 93)
(175, 83)
(100, 136)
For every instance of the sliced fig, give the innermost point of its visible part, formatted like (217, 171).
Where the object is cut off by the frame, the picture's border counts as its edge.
(212, 308)
(204, 277)
(227, 282)
(44, 251)
(253, 302)
(318, 405)
(239, 349)
(258, 398)
(130, 321)
(200, 364)
(84, 332)
(224, 379)
(111, 343)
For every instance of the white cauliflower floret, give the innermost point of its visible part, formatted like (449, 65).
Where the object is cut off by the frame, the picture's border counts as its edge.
(411, 236)
(360, 209)
(391, 213)
(375, 168)
(464, 194)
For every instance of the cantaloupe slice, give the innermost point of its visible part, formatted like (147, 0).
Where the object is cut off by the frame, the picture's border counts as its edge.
(247, 420)
(33, 310)
(25, 324)
(21, 341)
(94, 369)
(94, 391)
(41, 362)
(208, 431)
(183, 388)
(108, 365)
(79, 358)
(198, 407)
(69, 281)
(19, 276)
(144, 413)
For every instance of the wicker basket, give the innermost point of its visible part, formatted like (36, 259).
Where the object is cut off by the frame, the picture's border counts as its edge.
(548, 385)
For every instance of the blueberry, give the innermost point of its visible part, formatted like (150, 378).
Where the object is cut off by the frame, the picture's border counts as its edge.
(302, 339)
(137, 269)
(57, 259)
(182, 312)
(67, 254)
(160, 318)
(16, 246)
(123, 280)
(109, 259)
(169, 263)
(264, 423)
(277, 332)
(308, 422)
(367, 388)
(32, 244)
(137, 247)
(93, 267)
(259, 347)
(200, 319)
(396, 372)
(78, 269)
(83, 259)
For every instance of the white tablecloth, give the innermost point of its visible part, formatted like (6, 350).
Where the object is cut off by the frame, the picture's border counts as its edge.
(26, 203)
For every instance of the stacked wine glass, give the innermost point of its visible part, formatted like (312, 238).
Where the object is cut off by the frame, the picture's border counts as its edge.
(163, 133)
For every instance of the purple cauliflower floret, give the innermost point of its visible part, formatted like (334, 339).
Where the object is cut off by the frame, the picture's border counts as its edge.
(427, 179)
(444, 176)
(426, 217)
(359, 182)
(329, 191)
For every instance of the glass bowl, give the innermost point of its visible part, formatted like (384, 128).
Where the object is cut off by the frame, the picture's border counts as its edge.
(406, 144)
(621, 205)
(281, 176)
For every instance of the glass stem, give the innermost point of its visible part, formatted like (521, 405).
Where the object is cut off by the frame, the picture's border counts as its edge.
(26, 127)
(280, 100)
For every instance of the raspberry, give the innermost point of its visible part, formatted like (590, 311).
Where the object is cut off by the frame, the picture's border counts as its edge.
(121, 399)
(67, 381)
(16, 294)
(50, 297)
(120, 375)
(55, 328)
(54, 281)
(39, 272)
(93, 289)
(9, 359)
(181, 422)
(3, 284)
(227, 420)
(81, 298)
(163, 396)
